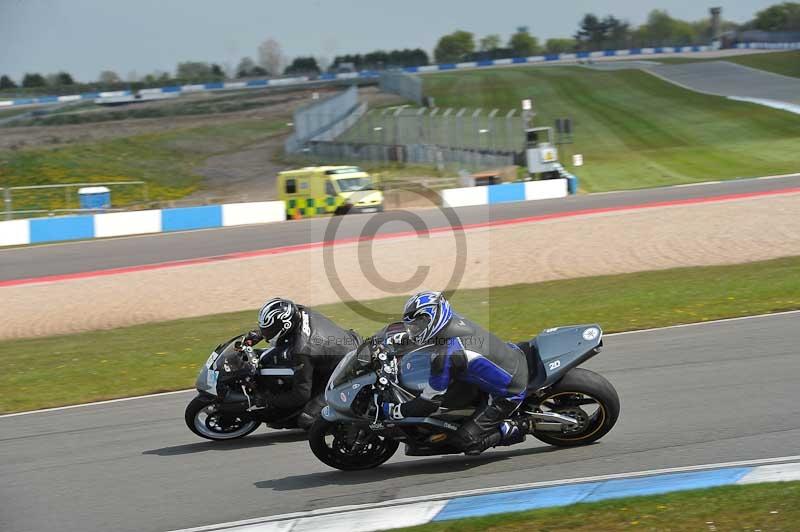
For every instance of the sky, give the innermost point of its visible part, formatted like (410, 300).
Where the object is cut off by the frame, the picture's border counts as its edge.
(84, 37)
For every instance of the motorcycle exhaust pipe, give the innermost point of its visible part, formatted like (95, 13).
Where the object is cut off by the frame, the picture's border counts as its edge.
(550, 421)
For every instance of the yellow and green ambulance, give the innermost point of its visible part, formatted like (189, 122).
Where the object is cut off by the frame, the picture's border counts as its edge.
(318, 190)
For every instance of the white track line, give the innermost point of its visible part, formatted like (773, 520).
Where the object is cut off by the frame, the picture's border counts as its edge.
(637, 331)
(699, 184)
(109, 401)
(709, 322)
(484, 491)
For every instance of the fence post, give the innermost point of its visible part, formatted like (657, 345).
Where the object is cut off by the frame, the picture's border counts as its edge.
(446, 126)
(460, 127)
(420, 123)
(476, 125)
(510, 130)
(492, 130)
(7, 202)
(431, 118)
(396, 116)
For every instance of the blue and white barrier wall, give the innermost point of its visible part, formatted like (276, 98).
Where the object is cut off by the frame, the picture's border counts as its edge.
(492, 194)
(369, 74)
(769, 45)
(37, 230)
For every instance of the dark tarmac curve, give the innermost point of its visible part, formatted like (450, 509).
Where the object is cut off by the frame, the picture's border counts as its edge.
(66, 258)
(702, 394)
(730, 79)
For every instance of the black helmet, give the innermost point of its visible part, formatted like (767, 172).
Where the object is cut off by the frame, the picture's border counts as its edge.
(277, 318)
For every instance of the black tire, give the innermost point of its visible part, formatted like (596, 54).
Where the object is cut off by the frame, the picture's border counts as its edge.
(204, 427)
(588, 383)
(380, 448)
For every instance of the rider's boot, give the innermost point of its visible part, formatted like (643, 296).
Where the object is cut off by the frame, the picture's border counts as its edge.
(488, 428)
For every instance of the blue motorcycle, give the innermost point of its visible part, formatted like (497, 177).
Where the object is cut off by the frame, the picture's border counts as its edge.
(565, 405)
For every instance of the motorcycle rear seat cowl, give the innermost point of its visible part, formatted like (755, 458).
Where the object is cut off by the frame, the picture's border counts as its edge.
(563, 345)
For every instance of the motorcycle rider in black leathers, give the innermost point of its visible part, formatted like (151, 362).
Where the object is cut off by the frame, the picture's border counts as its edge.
(466, 352)
(312, 343)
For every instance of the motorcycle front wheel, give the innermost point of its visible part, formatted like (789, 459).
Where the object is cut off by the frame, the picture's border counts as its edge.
(348, 447)
(204, 419)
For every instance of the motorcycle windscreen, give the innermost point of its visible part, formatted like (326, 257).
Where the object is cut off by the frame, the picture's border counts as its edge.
(415, 369)
(350, 366)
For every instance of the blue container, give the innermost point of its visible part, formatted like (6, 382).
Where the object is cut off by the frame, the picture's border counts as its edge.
(94, 197)
(572, 184)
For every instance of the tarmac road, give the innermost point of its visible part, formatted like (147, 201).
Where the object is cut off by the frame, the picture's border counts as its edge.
(731, 79)
(690, 395)
(67, 258)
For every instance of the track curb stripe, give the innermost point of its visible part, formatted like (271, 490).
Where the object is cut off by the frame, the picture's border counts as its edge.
(488, 501)
(392, 236)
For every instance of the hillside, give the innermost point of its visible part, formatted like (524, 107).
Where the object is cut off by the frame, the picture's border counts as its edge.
(633, 129)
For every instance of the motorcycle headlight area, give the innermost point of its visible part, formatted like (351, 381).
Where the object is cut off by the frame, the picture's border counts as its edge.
(364, 355)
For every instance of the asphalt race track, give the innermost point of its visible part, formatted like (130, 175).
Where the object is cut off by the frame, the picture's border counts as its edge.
(692, 395)
(730, 79)
(68, 258)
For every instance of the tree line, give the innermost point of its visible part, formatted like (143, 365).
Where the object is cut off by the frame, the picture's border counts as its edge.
(609, 32)
(593, 33)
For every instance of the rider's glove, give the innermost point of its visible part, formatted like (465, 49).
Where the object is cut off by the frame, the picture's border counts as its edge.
(252, 338)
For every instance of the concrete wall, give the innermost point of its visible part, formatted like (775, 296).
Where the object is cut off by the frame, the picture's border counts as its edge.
(59, 228)
(527, 191)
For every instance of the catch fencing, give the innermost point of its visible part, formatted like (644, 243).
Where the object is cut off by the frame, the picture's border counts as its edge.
(317, 118)
(463, 128)
(26, 201)
(424, 154)
(461, 138)
(402, 84)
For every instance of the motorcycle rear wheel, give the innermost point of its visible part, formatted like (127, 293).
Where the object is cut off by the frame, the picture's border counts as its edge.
(203, 419)
(330, 444)
(587, 397)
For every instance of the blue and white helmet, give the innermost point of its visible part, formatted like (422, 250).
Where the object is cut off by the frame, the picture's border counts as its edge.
(425, 315)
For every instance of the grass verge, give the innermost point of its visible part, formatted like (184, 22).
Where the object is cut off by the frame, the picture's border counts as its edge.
(767, 507)
(98, 365)
(784, 63)
(633, 129)
(167, 161)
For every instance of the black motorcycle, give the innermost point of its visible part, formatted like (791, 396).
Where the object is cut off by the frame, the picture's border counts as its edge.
(565, 405)
(231, 385)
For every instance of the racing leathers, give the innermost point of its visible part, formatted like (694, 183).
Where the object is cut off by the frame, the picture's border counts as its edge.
(465, 351)
(314, 348)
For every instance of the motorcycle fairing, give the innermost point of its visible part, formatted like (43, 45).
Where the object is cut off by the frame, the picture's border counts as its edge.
(555, 351)
(340, 398)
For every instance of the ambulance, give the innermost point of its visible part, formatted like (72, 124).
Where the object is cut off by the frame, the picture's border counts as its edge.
(319, 190)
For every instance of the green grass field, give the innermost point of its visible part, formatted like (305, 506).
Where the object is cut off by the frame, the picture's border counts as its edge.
(167, 161)
(633, 129)
(166, 356)
(769, 507)
(785, 63)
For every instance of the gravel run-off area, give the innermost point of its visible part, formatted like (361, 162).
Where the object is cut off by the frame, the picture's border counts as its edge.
(617, 242)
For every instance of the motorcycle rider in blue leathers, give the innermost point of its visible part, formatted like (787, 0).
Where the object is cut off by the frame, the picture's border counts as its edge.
(465, 351)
